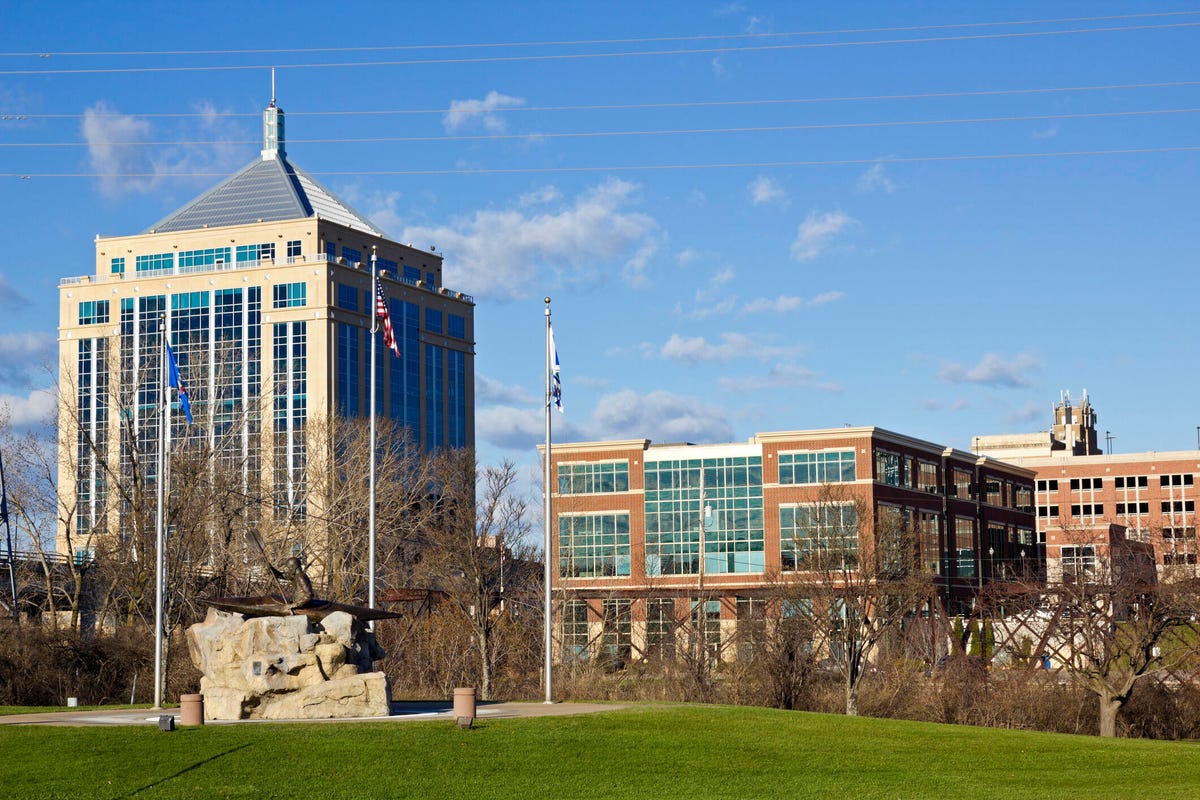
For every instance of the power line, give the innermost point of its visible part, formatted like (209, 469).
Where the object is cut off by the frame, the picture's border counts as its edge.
(645, 167)
(16, 116)
(581, 42)
(583, 56)
(601, 134)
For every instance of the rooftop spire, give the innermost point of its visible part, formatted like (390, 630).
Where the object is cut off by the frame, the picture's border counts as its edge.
(273, 128)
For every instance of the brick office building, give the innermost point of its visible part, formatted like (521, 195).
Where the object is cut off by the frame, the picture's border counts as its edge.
(644, 533)
(1086, 497)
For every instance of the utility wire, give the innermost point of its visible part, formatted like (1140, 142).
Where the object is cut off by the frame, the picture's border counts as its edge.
(583, 56)
(582, 42)
(644, 167)
(17, 116)
(602, 134)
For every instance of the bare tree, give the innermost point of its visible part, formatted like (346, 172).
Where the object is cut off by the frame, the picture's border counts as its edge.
(476, 545)
(852, 576)
(1112, 624)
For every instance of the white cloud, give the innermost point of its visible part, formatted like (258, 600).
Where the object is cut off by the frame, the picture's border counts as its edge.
(817, 232)
(728, 8)
(112, 150)
(509, 427)
(697, 349)
(780, 376)
(118, 154)
(992, 370)
(644, 349)
(383, 209)
(36, 408)
(661, 416)
(713, 298)
(464, 114)
(22, 354)
(765, 190)
(540, 196)
(785, 304)
(826, 297)
(718, 68)
(875, 179)
(499, 253)
(1046, 133)
(492, 392)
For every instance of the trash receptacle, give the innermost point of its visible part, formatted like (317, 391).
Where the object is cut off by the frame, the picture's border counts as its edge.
(464, 703)
(191, 709)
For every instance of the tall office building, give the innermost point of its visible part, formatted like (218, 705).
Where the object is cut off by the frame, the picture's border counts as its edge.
(263, 287)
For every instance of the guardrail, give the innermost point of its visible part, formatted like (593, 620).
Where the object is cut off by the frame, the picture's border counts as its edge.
(229, 266)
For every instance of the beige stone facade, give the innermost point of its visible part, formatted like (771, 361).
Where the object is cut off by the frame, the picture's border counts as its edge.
(263, 287)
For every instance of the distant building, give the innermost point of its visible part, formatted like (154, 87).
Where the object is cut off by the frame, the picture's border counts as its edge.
(262, 285)
(1151, 496)
(628, 515)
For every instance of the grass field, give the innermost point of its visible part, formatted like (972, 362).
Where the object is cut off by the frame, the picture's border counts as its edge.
(662, 752)
(8, 711)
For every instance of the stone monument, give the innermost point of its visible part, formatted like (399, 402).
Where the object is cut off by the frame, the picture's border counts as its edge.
(271, 658)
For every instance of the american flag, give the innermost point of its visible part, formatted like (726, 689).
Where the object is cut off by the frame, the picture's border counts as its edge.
(381, 311)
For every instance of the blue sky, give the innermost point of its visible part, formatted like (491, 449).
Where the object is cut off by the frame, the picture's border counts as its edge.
(898, 239)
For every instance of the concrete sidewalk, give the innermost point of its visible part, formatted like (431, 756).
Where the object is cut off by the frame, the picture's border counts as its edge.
(401, 711)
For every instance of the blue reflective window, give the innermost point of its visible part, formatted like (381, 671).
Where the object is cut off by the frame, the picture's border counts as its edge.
(435, 363)
(456, 397)
(730, 513)
(826, 466)
(347, 368)
(593, 545)
(347, 297)
(433, 320)
(93, 312)
(351, 255)
(118, 266)
(289, 295)
(593, 477)
(154, 263)
(456, 326)
(199, 260)
(412, 274)
(255, 252)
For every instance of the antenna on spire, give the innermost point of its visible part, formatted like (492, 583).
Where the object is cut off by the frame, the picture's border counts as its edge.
(272, 87)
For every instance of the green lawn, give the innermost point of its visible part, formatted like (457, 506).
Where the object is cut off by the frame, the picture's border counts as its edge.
(7, 711)
(694, 752)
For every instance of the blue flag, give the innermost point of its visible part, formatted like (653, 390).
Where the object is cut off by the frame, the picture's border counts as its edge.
(176, 382)
(555, 380)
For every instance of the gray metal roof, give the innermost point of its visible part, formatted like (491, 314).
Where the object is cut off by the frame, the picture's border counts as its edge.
(266, 190)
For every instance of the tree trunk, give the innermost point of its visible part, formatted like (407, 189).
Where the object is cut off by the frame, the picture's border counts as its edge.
(851, 694)
(485, 664)
(1109, 706)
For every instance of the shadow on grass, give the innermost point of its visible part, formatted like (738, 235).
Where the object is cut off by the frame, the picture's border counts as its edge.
(186, 770)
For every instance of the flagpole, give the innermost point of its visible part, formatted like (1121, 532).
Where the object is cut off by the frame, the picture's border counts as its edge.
(159, 535)
(546, 513)
(371, 480)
